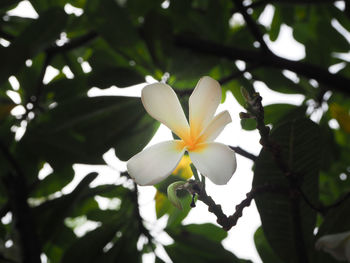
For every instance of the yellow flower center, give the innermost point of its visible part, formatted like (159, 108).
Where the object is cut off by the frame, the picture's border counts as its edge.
(193, 142)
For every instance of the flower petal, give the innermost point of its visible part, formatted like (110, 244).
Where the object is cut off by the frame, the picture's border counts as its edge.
(216, 126)
(203, 103)
(334, 244)
(331, 241)
(215, 161)
(155, 163)
(161, 102)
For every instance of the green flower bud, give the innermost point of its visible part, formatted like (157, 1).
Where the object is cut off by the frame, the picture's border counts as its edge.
(172, 188)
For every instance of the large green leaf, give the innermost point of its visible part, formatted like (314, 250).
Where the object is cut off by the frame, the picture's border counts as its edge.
(54, 182)
(286, 218)
(275, 25)
(118, 76)
(115, 25)
(263, 247)
(82, 129)
(279, 113)
(90, 247)
(191, 245)
(50, 215)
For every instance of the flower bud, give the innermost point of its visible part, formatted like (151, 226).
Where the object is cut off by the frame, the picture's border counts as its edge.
(172, 188)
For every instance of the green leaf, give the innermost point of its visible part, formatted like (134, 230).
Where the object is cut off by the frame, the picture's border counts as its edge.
(118, 76)
(83, 128)
(175, 215)
(62, 89)
(90, 246)
(61, 241)
(275, 25)
(163, 204)
(299, 141)
(278, 113)
(114, 24)
(195, 247)
(235, 88)
(207, 230)
(248, 124)
(54, 182)
(51, 214)
(263, 247)
(124, 249)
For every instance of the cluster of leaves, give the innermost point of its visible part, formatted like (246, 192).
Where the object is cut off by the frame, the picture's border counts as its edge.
(125, 41)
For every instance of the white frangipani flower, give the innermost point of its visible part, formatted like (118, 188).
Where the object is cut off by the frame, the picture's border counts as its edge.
(338, 245)
(214, 160)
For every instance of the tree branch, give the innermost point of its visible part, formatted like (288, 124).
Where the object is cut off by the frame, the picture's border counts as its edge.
(337, 203)
(244, 153)
(291, 2)
(72, 44)
(6, 35)
(333, 81)
(16, 187)
(224, 80)
(256, 109)
(252, 26)
(228, 222)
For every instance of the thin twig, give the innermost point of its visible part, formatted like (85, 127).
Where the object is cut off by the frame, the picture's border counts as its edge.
(72, 44)
(244, 153)
(6, 36)
(337, 203)
(319, 209)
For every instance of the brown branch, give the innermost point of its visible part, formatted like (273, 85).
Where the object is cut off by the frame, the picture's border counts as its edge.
(333, 81)
(30, 248)
(244, 153)
(227, 222)
(337, 203)
(6, 36)
(16, 187)
(256, 109)
(291, 2)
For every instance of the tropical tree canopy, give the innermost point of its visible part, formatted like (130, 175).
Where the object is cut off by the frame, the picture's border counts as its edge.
(301, 183)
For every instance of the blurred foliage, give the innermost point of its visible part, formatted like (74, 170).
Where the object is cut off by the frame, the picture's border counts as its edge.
(118, 43)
